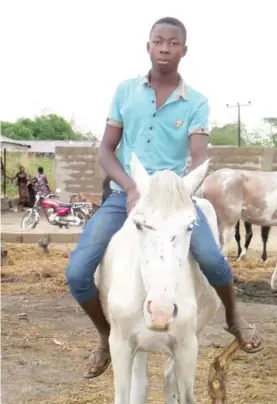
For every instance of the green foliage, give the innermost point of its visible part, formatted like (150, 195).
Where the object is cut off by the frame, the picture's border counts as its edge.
(272, 122)
(31, 164)
(45, 127)
(227, 135)
(263, 136)
(16, 131)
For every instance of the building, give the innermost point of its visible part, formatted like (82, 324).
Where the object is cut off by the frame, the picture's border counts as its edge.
(49, 146)
(13, 145)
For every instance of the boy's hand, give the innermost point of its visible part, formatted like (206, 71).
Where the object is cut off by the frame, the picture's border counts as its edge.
(133, 196)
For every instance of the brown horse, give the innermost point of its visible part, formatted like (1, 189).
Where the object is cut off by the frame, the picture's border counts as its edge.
(241, 194)
(94, 200)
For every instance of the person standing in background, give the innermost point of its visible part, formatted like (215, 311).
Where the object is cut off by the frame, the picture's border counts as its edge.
(23, 192)
(40, 182)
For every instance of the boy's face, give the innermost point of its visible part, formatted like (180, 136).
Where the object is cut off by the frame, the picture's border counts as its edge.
(166, 47)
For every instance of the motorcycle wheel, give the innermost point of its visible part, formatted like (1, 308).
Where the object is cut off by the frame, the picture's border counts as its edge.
(82, 216)
(29, 220)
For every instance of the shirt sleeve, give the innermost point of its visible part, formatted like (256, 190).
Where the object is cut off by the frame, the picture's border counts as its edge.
(114, 116)
(200, 119)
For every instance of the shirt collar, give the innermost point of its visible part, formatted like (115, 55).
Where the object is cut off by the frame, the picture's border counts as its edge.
(181, 90)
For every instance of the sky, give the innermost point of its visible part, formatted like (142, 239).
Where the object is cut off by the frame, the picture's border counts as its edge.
(67, 57)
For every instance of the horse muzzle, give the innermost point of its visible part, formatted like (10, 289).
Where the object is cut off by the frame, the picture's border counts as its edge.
(159, 316)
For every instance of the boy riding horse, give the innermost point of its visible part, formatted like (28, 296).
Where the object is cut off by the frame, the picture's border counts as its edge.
(162, 120)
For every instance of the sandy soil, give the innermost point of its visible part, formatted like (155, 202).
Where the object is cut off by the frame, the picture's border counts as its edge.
(46, 338)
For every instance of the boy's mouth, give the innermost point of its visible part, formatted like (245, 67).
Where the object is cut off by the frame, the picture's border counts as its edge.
(163, 62)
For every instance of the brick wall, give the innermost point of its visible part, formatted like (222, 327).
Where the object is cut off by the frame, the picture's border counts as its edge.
(77, 168)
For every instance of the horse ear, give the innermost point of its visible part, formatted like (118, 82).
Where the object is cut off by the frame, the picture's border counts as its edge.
(194, 179)
(139, 174)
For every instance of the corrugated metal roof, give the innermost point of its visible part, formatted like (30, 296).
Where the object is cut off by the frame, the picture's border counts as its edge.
(5, 139)
(48, 146)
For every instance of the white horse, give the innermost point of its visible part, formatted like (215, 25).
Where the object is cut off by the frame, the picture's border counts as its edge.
(152, 290)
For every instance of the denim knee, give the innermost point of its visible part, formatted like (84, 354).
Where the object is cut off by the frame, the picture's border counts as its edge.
(217, 270)
(207, 252)
(92, 245)
(80, 275)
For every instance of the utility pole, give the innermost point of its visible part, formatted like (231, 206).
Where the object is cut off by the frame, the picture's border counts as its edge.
(238, 106)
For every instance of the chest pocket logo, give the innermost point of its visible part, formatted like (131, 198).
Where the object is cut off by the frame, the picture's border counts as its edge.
(178, 123)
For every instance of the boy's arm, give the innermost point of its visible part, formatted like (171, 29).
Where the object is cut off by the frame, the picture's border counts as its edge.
(199, 135)
(111, 139)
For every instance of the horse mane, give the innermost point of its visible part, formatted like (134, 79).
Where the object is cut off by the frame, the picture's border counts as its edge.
(167, 193)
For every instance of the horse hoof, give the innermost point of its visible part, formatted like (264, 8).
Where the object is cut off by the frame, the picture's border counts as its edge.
(242, 255)
(263, 261)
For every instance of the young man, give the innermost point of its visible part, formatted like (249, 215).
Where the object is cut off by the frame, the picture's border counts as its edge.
(161, 120)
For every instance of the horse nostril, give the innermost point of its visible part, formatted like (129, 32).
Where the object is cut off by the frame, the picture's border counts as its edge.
(175, 310)
(148, 306)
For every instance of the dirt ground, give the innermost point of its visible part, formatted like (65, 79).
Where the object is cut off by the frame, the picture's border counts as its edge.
(46, 338)
(11, 222)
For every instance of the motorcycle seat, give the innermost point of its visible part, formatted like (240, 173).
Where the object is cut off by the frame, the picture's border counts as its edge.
(65, 205)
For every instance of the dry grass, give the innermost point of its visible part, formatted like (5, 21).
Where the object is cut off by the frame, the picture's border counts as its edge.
(28, 270)
(46, 350)
(58, 355)
(253, 270)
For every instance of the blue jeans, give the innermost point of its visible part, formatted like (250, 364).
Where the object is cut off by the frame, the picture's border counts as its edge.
(107, 221)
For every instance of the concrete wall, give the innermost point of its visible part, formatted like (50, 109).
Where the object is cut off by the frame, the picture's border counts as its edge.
(77, 168)
(244, 158)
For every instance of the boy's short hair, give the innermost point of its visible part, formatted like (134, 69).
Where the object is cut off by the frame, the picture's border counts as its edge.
(171, 21)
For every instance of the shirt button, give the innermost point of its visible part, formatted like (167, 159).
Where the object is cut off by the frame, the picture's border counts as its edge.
(151, 128)
(152, 101)
(154, 115)
(148, 141)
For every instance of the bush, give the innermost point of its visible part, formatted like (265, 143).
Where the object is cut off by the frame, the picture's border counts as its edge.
(31, 164)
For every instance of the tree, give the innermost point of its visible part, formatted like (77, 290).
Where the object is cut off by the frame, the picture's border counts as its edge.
(227, 135)
(272, 122)
(265, 135)
(16, 131)
(44, 127)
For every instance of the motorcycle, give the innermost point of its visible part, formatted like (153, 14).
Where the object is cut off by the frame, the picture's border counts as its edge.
(57, 213)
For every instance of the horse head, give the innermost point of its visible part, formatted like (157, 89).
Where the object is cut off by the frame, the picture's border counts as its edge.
(163, 219)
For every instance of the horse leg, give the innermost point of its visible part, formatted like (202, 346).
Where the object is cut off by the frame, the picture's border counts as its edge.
(227, 231)
(248, 238)
(264, 234)
(122, 361)
(237, 237)
(139, 386)
(185, 360)
(273, 282)
(171, 388)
